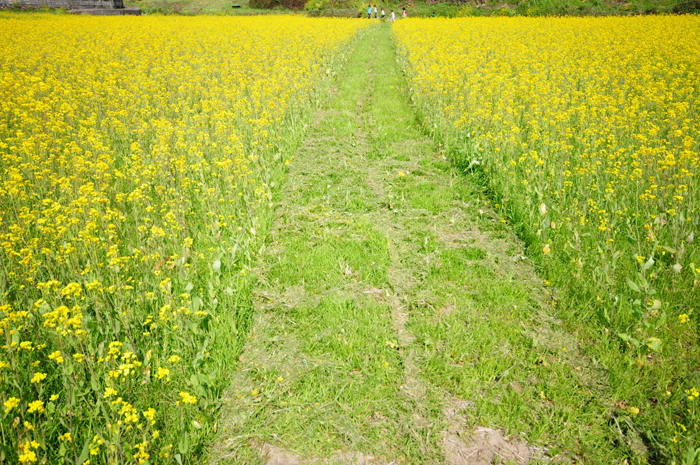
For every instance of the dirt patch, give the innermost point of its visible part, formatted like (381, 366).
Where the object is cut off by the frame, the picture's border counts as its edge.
(446, 310)
(412, 386)
(399, 320)
(485, 447)
(273, 455)
(378, 293)
(374, 183)
(277, 456)
(355, 458)
(455, 413)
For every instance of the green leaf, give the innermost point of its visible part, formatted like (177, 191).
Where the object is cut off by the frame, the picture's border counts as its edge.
(93, 384)
(85, 452)
(690, 455)
(632, 285)
(184, 443)
(196, 304)
(648, 264)
(637, 312)
(629, 339)
(5, 451)
(654, 345)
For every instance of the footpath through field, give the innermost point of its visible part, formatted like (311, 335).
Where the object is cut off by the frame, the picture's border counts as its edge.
(396, 320)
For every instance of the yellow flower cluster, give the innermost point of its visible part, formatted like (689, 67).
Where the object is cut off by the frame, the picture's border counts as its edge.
(564, 111)
(133, 155)
(587, 131)
(602, 129)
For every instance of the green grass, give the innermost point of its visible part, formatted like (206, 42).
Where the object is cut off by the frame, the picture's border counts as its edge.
(392, 295)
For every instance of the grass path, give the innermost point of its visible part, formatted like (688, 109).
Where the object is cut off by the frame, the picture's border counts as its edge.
(396, 320)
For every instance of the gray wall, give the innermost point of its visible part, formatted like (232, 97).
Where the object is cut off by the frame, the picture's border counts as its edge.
(67, 4)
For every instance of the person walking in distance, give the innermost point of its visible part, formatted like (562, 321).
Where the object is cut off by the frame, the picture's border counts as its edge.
(369, 11)
(375, 11)
(392, 18)
(404, 13)
(383, 14)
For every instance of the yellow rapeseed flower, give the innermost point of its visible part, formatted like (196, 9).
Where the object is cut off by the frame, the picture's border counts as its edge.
(11, 403)
(38, 377)
(36, 406)
(187, 398)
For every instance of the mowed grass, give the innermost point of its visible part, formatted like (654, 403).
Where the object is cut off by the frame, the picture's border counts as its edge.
(332, 258)
(593, 158)
(485, 334)
(486, 345)
(396, 311)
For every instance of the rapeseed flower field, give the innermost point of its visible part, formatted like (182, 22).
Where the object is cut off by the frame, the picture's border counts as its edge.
(137, 158)
(587, 131)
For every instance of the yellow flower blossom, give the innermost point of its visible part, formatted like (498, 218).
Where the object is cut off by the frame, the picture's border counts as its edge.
(36, 406)
(28, 455)
(11, 403)
(38, 377)
(187, 398)
(162, 373)
(56, 356)
(150, 415)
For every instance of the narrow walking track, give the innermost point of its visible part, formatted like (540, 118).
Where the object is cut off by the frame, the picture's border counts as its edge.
(396, 320)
